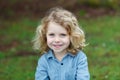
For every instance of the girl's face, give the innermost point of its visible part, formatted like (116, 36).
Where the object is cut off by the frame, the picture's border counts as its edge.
(58, 38)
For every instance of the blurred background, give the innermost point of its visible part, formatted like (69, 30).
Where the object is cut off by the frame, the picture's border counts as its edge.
(100, 19)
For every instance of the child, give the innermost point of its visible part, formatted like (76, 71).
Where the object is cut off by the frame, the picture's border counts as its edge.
(61, 40)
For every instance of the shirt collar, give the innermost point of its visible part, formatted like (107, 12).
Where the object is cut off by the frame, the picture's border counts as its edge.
(51, 55)
(70, 54)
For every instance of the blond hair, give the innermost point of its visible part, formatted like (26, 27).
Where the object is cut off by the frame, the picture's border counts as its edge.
(65, 19)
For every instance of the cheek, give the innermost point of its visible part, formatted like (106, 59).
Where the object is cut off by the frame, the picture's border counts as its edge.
(67, 40)
(49, 40)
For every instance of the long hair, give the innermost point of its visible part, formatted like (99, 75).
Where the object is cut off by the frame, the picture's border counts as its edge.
(67, 20)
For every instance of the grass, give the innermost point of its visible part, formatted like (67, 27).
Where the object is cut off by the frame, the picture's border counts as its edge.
(103, 50)
(18, 68)
(102, 34)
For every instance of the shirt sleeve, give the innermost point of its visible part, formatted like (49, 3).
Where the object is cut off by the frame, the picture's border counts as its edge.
(82, 68)
(41, 70)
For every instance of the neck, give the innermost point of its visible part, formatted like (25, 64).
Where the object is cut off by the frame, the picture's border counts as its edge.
(60, 56)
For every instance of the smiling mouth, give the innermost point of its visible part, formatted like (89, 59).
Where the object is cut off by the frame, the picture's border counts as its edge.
(57, 46)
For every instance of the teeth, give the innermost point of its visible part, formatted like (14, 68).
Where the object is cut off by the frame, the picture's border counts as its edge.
(57, 46)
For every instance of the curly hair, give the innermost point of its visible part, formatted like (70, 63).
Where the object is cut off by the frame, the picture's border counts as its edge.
(67, 20)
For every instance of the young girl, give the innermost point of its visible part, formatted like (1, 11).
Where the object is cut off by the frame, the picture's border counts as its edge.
(61, 40)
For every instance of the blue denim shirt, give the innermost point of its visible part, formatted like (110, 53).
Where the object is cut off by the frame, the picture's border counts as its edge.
(72, 67)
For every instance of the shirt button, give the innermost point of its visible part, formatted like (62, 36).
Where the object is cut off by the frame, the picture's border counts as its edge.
(61, 63)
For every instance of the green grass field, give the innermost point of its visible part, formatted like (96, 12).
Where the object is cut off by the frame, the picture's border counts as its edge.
(18, 60)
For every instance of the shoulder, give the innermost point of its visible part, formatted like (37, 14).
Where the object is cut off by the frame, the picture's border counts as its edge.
(42, 59)
(81, 55)
(45, 56)
(81, 59)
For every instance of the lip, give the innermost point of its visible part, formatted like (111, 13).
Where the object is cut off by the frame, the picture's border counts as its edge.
(57, 46)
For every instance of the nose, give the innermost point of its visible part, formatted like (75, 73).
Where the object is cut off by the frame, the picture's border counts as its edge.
(57, 39)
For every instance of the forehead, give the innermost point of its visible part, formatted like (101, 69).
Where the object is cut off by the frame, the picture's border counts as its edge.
(55, 27)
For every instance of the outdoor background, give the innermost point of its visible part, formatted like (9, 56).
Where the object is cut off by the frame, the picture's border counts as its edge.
(100, 19)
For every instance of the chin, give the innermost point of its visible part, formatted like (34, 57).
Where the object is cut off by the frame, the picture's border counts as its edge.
(58, 51)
